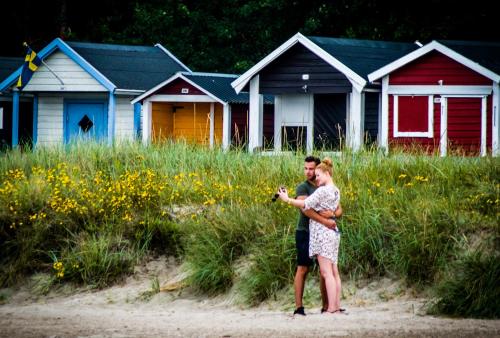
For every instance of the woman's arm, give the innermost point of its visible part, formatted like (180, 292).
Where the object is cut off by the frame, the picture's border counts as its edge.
(283, 195)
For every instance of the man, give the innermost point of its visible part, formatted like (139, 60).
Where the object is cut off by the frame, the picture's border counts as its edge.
(326, 218)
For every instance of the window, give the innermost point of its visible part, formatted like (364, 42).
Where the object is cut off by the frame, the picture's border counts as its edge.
(413, 116)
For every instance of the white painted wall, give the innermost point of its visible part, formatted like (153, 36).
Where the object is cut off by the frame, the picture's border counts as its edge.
(293, 110)
(50, 120)
(75, 78)
(124, 125)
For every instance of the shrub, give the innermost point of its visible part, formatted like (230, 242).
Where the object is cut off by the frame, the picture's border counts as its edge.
(472, 288)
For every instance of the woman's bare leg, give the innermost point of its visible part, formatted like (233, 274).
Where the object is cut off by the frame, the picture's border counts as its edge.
(338, 284)
(326, 270)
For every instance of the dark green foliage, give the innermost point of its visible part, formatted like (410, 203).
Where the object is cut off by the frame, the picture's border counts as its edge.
(472, 288)
(272, 266)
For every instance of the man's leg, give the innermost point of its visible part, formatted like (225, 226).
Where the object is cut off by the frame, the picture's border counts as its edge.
(299, 283)
(303, 264)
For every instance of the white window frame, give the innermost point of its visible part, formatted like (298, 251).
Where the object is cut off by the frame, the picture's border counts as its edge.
(430, 120)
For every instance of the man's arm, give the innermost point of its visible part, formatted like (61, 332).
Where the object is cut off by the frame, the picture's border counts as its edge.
(320, 218)
(328, 222)
(330, 214)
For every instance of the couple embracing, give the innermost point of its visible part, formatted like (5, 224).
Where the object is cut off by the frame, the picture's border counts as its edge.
(317, 233)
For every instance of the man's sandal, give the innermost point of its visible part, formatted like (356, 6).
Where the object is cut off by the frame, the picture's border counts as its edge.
(299, 311)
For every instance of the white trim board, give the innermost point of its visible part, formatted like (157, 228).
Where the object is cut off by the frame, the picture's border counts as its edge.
(433, 46)
(181, 98)
(439, 90)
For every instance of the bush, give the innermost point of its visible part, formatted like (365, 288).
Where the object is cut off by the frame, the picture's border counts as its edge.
(472, 288)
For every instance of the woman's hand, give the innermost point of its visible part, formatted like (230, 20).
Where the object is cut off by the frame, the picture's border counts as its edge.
(283, 194)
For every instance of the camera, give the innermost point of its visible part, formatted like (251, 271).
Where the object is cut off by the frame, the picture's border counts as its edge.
(276, 196)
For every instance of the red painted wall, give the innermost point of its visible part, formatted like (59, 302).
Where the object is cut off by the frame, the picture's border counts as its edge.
(428, 143)
(413, 113)
(175, 88)
(463, 114)
(434, 66)
(464, 123)
(239, 124)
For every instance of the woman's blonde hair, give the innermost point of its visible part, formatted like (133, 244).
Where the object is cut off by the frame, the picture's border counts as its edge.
(326, 166)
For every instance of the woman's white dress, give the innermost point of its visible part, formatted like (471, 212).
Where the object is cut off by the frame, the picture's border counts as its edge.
(322, 240)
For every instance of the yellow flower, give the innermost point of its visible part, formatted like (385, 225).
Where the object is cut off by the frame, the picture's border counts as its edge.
(402, 176)
(391, 191)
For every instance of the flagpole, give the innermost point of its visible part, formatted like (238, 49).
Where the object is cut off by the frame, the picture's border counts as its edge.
(46, 65)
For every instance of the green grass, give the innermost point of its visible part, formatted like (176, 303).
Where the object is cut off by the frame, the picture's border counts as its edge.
(471, 288)
(98, 209)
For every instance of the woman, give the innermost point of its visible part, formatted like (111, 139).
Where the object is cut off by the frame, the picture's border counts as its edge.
(324, 242)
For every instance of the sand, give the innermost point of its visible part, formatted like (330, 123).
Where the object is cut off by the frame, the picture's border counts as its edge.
(129, 309)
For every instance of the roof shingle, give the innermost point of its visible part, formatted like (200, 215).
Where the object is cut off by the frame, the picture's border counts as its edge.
(129, 67)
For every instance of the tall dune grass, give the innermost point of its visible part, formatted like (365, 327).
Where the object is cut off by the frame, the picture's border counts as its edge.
(87, 212)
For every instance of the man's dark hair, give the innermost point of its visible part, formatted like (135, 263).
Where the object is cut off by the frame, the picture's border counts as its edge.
(312, 159)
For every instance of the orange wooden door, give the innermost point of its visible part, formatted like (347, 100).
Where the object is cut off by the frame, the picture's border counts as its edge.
(162, 121)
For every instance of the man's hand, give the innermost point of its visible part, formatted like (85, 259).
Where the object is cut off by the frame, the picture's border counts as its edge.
(328, 222)
(330, 214)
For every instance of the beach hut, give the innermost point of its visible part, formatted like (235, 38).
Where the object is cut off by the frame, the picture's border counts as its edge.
(200, 108)
(83, 90)
(322, 94)
(24, 106)
(443, 96)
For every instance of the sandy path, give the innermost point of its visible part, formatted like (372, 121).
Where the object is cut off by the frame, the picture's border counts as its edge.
(118, 312)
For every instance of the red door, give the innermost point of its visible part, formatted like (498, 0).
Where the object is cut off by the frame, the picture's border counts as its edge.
(464, 125)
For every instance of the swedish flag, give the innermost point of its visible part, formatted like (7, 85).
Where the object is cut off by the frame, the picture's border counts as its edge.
(31, 64)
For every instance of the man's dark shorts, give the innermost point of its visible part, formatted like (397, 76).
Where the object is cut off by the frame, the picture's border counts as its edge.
(302, 245)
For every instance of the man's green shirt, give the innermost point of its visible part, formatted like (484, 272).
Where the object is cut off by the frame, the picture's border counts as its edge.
(304, 189)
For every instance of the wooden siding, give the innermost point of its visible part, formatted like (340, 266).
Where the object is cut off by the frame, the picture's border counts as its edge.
(284, 75)
(75, 78)
(124, 125)
(413, 113)
(25, 123)
(432, 67)
(190, 122)
(430, 143)
(371, 117)
(329, 121)
(175, 88)
(239, 125)
(50, 120)
(464, 124)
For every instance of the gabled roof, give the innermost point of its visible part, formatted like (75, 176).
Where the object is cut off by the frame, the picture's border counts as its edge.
(8, 65)
(363, 56)
(484, 58)
(217, 86)
(354, 58)
(114, 66)
(487, 54)
(130, 67)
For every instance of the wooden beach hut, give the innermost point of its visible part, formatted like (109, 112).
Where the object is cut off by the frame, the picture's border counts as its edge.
(83, 90)
(322, 95)
(443, 96)
(199, 108)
